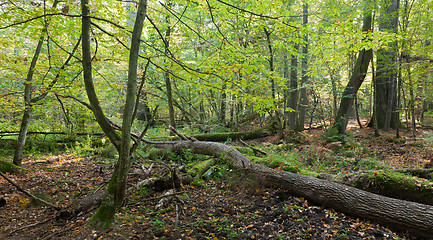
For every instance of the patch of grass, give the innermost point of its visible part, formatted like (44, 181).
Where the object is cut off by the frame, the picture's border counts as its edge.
(41, 196)
(286, 161)
(428, 137)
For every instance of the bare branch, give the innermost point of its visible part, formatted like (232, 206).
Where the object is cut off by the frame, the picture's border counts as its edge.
(29, 194)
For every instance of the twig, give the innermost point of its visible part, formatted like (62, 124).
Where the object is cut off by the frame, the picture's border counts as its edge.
(176, 223)
(31, 225)
(182, 136)
(52, 235)
(163, 196)
(253, 148)
(29, 194)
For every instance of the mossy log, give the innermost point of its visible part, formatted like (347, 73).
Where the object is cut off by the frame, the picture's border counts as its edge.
(412, 217)
(267, 130)
(198, 169)
(389, 183)
(8, 167)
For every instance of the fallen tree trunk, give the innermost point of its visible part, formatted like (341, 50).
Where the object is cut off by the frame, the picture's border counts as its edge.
(265, 131)
(402, 215)
(388, 183)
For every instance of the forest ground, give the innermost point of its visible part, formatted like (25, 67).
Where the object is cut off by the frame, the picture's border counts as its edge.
(228, 208)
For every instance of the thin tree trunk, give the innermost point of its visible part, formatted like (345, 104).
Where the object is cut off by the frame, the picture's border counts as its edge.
(286, 92)
(222, 114)
(293, 101)
(376, 129)
(271, 60)
(88, 79)
(357, 112)
(412, 101)
(167, 77)
(398, 112)
(115, 192)
(25, 122)
(334, 93)
(303, 101)
(356, 79)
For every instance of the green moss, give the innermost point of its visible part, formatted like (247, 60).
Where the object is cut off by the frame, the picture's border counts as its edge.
(291, 168)
(245, 150)
(308, 173)
(106, 211)
(41, 196)
(198, 169)
(397, 185)
(8, 167)
(275, 163)
(159, 153)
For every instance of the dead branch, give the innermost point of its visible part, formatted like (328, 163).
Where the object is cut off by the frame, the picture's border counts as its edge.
(29, 194)
(31, 225)
(256, 150)
(182, 136)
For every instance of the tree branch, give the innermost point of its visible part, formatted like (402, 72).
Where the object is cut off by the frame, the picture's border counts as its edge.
(29, 194)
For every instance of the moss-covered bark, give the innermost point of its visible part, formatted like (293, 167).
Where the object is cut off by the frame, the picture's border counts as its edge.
(391, 184)
(7, 167)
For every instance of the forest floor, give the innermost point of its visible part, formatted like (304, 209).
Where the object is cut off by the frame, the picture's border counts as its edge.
(228, 208)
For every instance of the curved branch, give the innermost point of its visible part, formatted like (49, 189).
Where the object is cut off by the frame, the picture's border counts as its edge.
(88, 80)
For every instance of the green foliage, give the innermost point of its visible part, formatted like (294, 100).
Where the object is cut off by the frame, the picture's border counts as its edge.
(332, 135)
(84, 147)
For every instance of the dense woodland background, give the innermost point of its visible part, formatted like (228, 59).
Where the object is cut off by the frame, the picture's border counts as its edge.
(108, 78)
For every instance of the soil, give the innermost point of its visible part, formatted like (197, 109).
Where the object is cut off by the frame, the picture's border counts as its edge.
(229, 208)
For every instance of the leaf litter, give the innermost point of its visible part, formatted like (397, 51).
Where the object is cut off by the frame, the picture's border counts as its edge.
(215, 210)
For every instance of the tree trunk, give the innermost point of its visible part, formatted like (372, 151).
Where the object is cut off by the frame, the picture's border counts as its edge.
(222, 113)
(293, 100)
(27, 105)
(387, 69)
(18, 156)
(271, 60)
(357, 112)
(252, 134)
(356, 79)
(167, 77)
(334, 92)
(402, 215)
(115, 192)
(25, 122)
(286, 92)
(412, 100)
(303, 101)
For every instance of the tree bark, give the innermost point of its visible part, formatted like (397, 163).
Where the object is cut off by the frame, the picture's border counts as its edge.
(115, 192)
(356, 79)
(414, 218)
(222, 113)
(387, 69)
(271, 60)
(253, 134)
(303, 100)
(293, 100)
(167, 76)
(88, 79)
